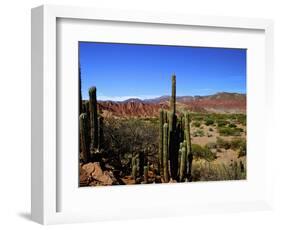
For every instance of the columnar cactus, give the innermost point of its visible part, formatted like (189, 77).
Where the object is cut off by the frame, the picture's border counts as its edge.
(179, 156)
(173, 97)
(173, 134)
(140, 163)
(134, 172)
(187, 132)
(174, 142)
(84, 137)
(165, 153)
(160, 150)
(101, 134)
(180, 128)
(80, 92)
(134, 167)
(182, 164)
(93, 118)
(145, 174)
(86, 108)
(188, 147)
(165, 117)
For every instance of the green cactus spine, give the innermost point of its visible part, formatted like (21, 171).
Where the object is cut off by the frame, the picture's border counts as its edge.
(84, 138)
(93, 118)
(165, 153)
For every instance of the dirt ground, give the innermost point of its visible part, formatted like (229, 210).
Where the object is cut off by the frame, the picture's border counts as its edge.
(223, 156)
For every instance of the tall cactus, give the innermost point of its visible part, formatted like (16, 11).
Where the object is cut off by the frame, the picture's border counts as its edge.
(173, 134)
(188, 146)
(80, 92)
(165, 117)
(179, 156)
(187, 132)
(165, 153)
(134, 167)
(173, 97)
(134, 172)
(182, 164)
(86, 108)
(84, 137)
(101, 134)
(173, 150)
(174, 142)
(145, 174)
(160, 150)
(140, 163)
(93, 118)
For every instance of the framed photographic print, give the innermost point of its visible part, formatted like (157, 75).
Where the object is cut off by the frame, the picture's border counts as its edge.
(132, 110)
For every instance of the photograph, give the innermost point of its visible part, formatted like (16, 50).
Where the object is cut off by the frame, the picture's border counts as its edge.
(152, 114)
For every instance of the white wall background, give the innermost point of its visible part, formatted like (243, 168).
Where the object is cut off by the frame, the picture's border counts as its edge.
(15, 112)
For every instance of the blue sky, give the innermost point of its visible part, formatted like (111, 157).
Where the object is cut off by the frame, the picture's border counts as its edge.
(122, 71)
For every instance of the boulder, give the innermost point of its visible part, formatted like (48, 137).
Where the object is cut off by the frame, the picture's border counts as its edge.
(95, 173)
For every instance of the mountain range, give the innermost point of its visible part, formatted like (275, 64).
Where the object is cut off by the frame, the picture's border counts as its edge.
(222, 102)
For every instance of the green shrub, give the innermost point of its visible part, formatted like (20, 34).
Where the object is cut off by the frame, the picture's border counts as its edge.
(198, 133)
(221, 143)
(209, 121)
(237, 143)
(231, 125)
(222, 123)
(241, 118)
(211, 145)
(203, 152)
(211, 129)
(196, 124)
(242, 150)
(226, 131)
(196, 117)
(210, 171)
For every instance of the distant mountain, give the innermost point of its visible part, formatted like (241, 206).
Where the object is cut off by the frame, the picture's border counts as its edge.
(222, 102)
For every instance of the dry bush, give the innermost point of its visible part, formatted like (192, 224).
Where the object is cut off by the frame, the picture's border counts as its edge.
(213, 171)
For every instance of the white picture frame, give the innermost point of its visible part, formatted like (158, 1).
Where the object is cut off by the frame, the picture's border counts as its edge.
(46, 185)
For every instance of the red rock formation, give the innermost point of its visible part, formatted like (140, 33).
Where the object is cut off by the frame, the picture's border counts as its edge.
(217, 103)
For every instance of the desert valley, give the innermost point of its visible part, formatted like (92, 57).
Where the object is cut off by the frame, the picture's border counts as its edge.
(123, 142)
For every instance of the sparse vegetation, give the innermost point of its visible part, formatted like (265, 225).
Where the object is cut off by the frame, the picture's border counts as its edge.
(231, 125)
(222, 123)
(203, 152)
(209, 121)
(134, 150)
(196, 124)
(227, 131)
(198, 133)
(221, 143)
(209, 171)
